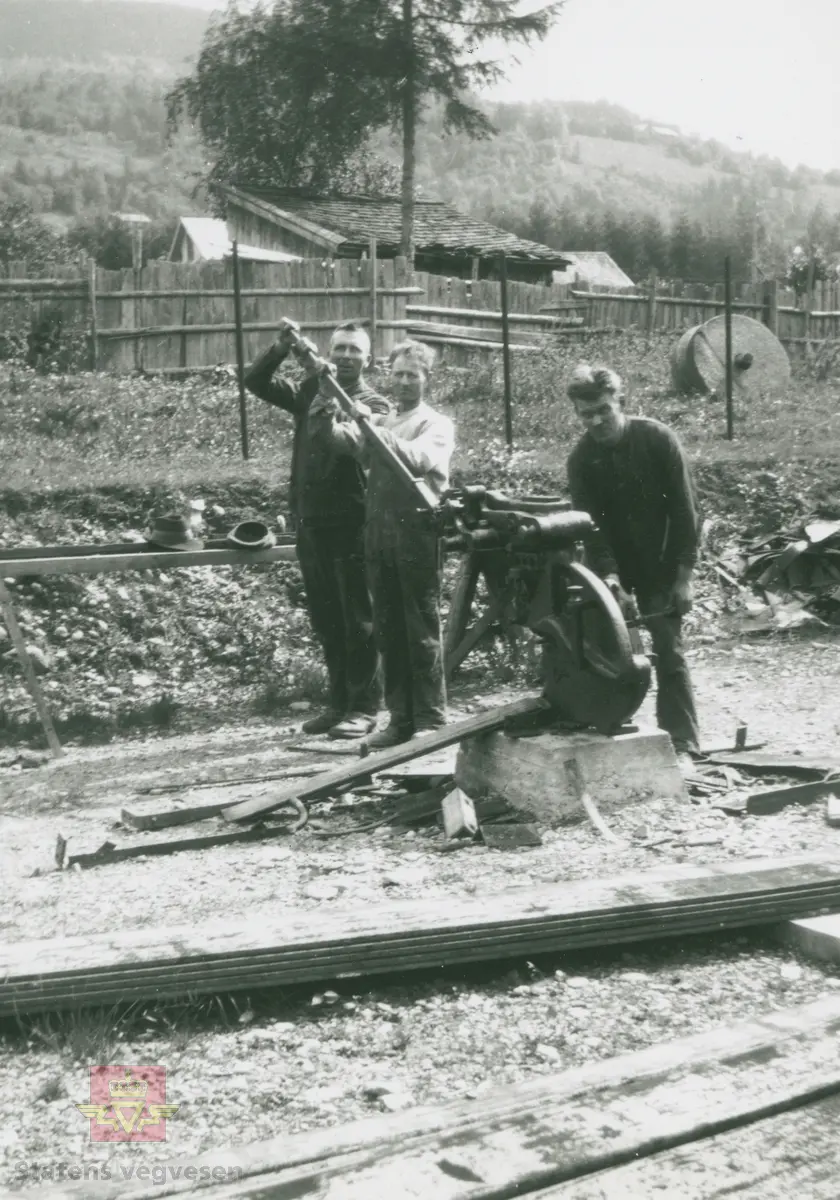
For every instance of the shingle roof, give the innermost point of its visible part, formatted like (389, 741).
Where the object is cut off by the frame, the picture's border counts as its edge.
(437, 225)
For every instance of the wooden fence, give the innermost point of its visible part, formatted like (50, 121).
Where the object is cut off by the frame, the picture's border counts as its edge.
(177, 318)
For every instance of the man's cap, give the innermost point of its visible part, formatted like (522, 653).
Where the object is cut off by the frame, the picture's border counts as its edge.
(251, 535)
(172, 532)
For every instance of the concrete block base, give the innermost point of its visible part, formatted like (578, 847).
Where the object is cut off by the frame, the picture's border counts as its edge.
(532, 775)
(818, 937)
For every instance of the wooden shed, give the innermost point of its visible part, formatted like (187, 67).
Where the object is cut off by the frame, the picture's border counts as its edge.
(206, 239)
(596, 269)
(447, 242)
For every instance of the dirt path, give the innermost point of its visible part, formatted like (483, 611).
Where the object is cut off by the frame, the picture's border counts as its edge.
(392, 1043)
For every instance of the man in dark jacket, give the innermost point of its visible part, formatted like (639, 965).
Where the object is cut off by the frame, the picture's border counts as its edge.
(327, 496)
(632, 476)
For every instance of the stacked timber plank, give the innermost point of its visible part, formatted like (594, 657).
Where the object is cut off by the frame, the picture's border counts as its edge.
(285, 947)
(582, 1133)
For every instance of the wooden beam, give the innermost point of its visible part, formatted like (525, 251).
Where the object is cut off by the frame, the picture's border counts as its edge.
(199, 293)
(775, 799)
(167, 560)
(328, 782)
(112, 854)
(547, 1131)
(473, 636)
(793, 1153)
(461, 603)
(221, 327)
(87, 549)
(290, 946)
(7, 609)
(803, 766)
(545, 321)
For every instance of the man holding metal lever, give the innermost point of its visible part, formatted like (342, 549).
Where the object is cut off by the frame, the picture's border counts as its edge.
(327, 499)
(408, 454)
(632, 476)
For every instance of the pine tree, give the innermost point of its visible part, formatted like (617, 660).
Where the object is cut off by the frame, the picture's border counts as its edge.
(287, 96)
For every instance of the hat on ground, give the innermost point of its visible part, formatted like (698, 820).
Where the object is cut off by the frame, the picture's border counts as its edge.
(251, 535)
(172, 532)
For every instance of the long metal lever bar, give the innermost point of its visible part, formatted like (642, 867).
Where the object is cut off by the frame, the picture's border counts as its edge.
(426, 498)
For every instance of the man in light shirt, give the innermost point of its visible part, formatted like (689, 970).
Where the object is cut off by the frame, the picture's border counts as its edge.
(401, 544)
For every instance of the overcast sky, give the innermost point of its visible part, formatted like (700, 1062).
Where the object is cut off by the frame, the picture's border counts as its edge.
(762, 75)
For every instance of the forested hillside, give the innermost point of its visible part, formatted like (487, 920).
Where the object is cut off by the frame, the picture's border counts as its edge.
(83, 135)
(93, 30)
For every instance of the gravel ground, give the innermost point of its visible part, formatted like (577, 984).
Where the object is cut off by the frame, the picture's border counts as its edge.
(270, 1063)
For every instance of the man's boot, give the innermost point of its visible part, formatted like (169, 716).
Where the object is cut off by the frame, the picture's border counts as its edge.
(323, 723)
(354, 725)
(392, 735)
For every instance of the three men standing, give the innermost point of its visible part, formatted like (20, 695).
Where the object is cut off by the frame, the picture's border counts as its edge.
(632, 476)
(327, 497)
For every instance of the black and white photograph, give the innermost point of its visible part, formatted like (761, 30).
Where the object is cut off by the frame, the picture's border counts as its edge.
(420, 599)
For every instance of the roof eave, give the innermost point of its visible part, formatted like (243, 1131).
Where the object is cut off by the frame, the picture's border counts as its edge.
(293, 223)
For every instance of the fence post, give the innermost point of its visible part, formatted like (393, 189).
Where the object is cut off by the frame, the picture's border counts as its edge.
(651, 302)
(374, 299)
(506, 349)
(727, 300)
(240, 351)
(94, 322)
(771, 306)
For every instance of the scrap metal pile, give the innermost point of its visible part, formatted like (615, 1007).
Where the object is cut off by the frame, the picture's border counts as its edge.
(794, 574)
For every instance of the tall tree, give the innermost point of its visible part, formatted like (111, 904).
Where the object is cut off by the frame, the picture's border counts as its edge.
(289, 95)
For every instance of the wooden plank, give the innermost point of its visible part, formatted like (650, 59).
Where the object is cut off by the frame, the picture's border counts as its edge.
(524, 1138)
(103, 564)
(342, 776)
(175, 816)
(767, 763)
(775, 799)
(170, 818)
(294, 946)
(541, 320)
(152, 331)
(264, 292)
(461, 602)
(112, 854)
(7, 609)
(793, 1154)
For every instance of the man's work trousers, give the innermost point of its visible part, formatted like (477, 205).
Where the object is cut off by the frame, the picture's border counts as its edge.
(404, 578)
(332, 563)
(675, 708)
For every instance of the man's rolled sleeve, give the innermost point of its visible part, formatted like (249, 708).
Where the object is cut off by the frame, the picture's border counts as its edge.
(429, 452)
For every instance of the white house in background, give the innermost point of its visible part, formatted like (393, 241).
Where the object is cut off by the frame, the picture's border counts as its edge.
(594, 268)
(202, 239)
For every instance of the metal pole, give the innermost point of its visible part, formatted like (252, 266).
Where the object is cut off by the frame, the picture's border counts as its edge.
(94, 320)
(240, 351)
(727, 300)
(506, 351)
(374, 302)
